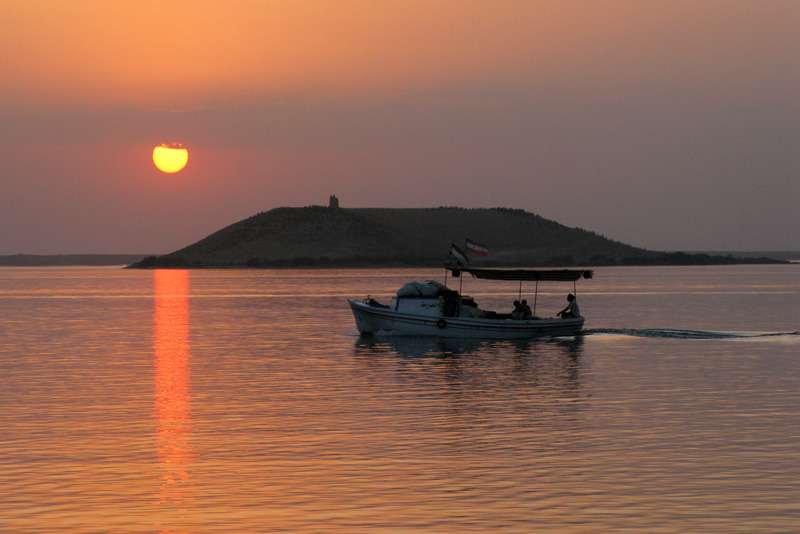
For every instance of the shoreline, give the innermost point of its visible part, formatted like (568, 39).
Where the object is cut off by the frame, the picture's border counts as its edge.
(433, 265)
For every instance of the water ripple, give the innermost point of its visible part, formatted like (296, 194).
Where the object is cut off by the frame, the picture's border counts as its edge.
(176, 414)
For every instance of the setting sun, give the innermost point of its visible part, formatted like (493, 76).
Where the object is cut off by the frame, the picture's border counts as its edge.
(170, 158)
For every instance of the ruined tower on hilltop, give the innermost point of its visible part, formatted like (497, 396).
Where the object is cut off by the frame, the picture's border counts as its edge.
(333, 202)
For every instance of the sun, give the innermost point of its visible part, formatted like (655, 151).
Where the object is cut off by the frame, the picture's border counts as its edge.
(170, 157)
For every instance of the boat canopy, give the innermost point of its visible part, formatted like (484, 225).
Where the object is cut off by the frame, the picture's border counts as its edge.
(545, 275)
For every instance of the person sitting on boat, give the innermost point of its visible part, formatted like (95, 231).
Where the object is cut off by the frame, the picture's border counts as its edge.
(527, 313)
(571, 310)
(517, 313)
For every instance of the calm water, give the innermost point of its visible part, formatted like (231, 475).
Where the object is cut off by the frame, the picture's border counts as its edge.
(243, 401)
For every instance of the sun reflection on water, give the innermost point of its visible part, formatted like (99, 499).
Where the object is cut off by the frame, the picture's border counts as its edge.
(172, 386)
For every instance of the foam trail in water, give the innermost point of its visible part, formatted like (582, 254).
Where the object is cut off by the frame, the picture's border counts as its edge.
(683, 334)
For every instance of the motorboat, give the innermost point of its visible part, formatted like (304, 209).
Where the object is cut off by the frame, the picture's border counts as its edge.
(431, 308)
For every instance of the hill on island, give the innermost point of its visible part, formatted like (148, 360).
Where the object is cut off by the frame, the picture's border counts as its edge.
(331, 236)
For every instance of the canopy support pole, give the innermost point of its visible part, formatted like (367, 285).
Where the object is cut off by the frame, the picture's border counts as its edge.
(520, 290)
(535, 297)
(460, 283)
(574, 289)
(445, 278)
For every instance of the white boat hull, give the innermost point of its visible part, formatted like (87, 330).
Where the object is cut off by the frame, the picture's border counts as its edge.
(374, 319)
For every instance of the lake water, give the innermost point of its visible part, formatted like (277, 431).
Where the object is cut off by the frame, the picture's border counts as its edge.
(243, 401)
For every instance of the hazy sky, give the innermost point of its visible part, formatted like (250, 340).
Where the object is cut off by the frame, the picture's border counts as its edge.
(667, 124)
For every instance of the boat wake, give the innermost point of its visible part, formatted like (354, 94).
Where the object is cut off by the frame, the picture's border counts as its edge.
(685, 334)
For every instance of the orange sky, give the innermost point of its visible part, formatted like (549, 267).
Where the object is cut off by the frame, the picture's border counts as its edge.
(170, 53)
(455, 102)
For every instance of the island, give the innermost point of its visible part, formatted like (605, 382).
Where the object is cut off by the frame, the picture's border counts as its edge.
(333, 236)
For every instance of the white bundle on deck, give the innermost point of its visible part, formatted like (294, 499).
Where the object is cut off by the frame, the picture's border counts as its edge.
(431, 289)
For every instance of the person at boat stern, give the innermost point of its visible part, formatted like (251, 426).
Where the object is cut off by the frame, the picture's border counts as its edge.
(572, 309)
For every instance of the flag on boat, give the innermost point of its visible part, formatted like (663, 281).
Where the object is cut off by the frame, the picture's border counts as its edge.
(458, 254)
(476, 248)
